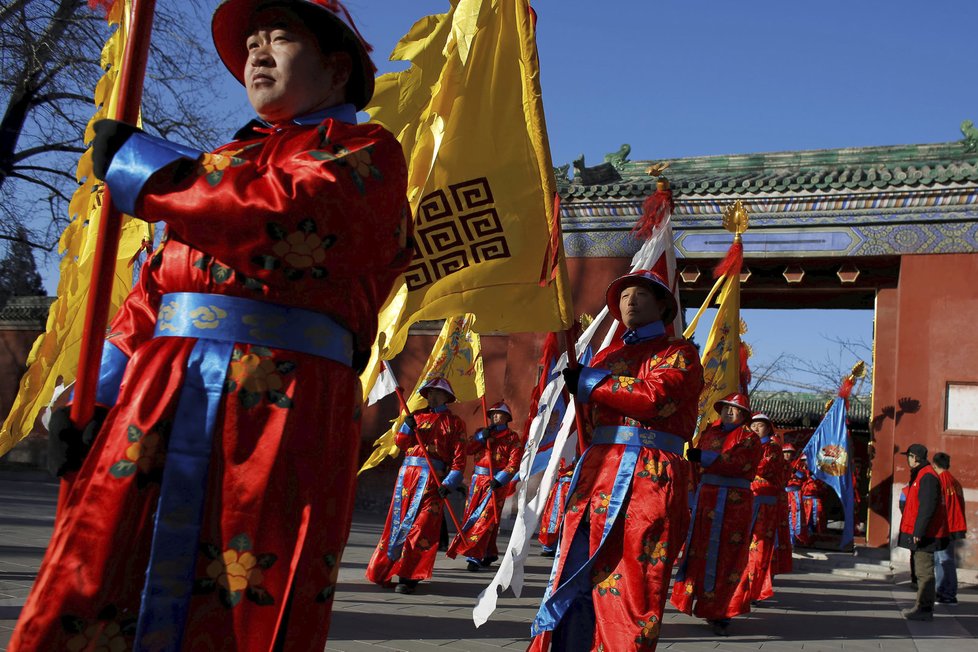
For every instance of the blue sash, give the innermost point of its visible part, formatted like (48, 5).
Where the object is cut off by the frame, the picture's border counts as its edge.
(758, 501)
(218, 322)
(560, 498)
(556, 602)
(481, 507)
(716, 527)
(401, 525)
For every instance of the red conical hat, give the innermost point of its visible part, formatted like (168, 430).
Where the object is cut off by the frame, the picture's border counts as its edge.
(646, 277)
(737, 400)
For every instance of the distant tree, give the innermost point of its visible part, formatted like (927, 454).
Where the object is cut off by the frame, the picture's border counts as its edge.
(50, 56)
(18, 271)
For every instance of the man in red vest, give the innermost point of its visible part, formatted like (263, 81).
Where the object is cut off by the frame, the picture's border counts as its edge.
(957, 527)
(923, 528)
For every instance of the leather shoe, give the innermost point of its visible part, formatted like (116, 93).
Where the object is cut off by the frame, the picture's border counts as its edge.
(472, 567)
(944, 600)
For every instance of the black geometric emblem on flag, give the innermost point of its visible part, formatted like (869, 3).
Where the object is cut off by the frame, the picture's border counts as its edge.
(453, 230)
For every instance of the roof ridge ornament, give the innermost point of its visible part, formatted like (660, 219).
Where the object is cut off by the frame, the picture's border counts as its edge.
(970, 133)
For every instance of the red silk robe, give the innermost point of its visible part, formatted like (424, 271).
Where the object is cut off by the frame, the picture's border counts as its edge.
(477, 541)
(739, 454)
(781, 560)
(443, 435)
(769, 483)
(797, 518)
(813, 492)
(305, 216)
(654, 384)
(553, 510)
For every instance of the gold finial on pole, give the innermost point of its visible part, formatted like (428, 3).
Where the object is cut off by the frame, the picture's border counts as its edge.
(736, 218)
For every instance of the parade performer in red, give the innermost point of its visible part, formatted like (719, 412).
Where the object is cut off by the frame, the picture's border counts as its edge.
(626, 515)
(214, 505)
(553, 510)
(813, 492)
(781, 560)
(409, 543)
(498, 450)
(797, 476)
(711, 581)
(768, 490)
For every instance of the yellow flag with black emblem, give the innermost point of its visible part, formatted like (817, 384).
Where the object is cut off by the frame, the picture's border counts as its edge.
(53, 360)
(721, 355)
(469, 115)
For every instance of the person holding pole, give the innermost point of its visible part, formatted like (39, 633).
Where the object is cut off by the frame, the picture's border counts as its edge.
(498, 451)
(627, 510)
(213, 506)
(433, 441)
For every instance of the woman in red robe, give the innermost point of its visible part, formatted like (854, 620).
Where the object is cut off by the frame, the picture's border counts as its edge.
(627, 512)
(711, 582)
(433, 441)
(768, 490)
(212, 510)
(498, 450)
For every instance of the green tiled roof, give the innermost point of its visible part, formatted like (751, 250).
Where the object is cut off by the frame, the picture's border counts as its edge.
(793, 410)
(863, 168)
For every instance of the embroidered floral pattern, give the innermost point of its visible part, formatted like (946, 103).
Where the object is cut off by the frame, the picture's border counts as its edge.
(359, 162)
(144, 455)
(257, 376)
(654, 470)
(236, 572)
(649, 632)
(618, 367)
(213, 165)
(107, 633)
(605, 582)
(604, 499)
(297, 252)
(623, 382)
(653, 551)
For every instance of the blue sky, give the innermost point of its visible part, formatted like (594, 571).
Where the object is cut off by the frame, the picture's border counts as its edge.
(680, 78)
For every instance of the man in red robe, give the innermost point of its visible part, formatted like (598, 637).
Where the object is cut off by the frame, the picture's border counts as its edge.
(626, 515)
(212, 509)
(553, 510)
(797, 476)
(768, 490)
(781, 561)
(711, 582)
(813, 492)
(433, 441)
(498, 450)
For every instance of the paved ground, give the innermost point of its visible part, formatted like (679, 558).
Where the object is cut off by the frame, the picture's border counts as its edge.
(812, 611)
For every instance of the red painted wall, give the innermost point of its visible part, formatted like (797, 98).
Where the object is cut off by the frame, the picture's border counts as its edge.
(925, 338)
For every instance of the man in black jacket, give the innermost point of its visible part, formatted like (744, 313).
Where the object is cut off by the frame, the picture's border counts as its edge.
(923, 528)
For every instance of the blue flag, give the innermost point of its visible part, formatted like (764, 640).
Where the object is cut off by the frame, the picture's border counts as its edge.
(830, 460)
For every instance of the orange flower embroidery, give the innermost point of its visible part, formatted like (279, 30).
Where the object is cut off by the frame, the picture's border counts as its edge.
(256, 374)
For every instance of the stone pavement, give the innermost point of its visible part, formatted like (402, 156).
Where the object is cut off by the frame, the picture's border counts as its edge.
(811, 611)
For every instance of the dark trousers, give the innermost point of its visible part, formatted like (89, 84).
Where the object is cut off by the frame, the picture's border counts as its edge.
(926, 584)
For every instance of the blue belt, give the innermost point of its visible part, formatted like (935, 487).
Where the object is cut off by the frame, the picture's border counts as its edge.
(480, 470)
(632, 436)
(246, 321)
(793, 489)
(412, 460)
(758, 501)
(217, 322)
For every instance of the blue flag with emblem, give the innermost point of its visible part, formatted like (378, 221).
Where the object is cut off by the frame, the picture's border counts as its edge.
(829, 459)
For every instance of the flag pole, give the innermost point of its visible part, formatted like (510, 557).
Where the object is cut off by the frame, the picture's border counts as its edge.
(131, 77)
(573, 364)
(404, 408)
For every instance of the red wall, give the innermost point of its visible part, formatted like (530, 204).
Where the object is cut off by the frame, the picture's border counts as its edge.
(925, 338)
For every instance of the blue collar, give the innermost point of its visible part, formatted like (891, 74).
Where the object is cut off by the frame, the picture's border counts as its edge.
(341, 112)
(498, 427)
(643, 333)
(765, 440)
(439, 410)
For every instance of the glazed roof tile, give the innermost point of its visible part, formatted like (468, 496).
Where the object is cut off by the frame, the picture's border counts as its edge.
(862, 168)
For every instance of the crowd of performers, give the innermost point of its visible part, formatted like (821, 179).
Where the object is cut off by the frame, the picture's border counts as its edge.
(637, 501)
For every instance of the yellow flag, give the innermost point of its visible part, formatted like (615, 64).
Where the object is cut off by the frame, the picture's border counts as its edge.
(469, 116)
(53, 360)
(721, 355)
(457, 357)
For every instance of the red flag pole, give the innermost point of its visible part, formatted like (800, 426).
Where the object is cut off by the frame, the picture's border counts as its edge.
(131, 76)
(424, 451)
